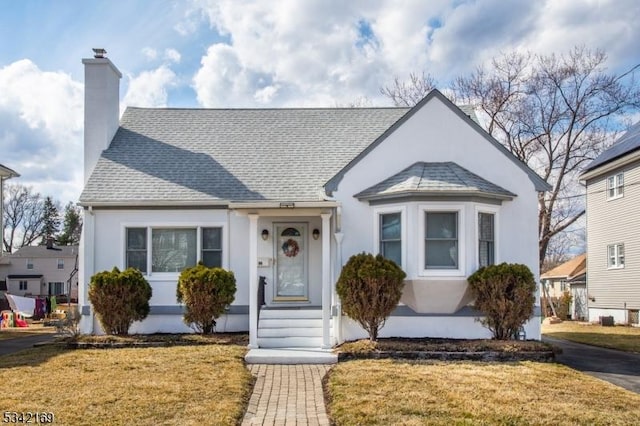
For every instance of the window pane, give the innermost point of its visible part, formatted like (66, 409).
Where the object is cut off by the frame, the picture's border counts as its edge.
(137, 238)
(173, 249)
(392, 250)
(138, 260)
(441, 254)
(442, 225)
(485, 255)
(390, 225)
(212, 238)
(485, 226)
(212, 259)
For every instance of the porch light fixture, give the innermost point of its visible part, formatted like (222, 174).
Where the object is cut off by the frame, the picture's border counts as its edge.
(316, 234)
(265, 234)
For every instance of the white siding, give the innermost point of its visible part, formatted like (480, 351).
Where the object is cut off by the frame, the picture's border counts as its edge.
(612, 222)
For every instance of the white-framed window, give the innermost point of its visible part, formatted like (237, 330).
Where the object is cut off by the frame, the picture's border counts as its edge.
(486, 238)
(390, 233)
(563, 286)
(615, 256)
(615, 186)
(29, 263)
(158, 249)
(442, 249)
(23, 285)
(56, 288)
(60, 263)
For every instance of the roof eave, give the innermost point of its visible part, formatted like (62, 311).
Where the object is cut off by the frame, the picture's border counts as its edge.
(152, 203)
(414, 193)
(610, 165)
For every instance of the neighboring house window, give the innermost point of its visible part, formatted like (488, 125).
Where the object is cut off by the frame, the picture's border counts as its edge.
(615, 255)
(60, 263)
(441, 240)
(486, 239)
(212, 247)
(29, 263)
(563, 286)
(390, 236)
(137, 249)
(615, 186)
(56, 288)
(173, 249)
(23, 285)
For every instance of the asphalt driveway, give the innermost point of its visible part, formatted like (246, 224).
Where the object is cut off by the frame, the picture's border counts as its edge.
(617, 367)
(10, 346)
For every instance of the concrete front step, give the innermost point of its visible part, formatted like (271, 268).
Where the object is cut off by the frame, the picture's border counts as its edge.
(290, 342)
(291, 313)
(290, 332)
(289, 323)
(290, 356)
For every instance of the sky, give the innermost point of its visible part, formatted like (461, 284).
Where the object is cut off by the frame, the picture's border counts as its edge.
(264, 54)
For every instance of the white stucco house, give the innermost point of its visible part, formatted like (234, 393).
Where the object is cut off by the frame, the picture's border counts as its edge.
(289, 195)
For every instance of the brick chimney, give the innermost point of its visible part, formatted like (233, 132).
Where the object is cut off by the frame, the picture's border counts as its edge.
(101, 107)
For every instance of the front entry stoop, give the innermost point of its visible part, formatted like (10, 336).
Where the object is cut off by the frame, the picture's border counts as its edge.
(290, 356)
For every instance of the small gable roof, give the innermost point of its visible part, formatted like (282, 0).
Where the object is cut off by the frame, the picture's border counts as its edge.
(220, 155)
(540, 184)
(423, 178)
(37, 252)
(626, 144)
(571, 268)
(6, 172)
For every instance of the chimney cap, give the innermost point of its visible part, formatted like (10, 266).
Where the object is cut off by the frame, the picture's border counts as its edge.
(99, 52)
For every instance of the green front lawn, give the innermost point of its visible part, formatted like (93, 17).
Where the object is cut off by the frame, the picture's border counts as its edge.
(205, 384)
(435, 393)
(622, 338)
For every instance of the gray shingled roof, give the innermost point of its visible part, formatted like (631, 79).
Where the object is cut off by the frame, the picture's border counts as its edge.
(44, 252)
(434, 179)
(204, 155)
(629, 142)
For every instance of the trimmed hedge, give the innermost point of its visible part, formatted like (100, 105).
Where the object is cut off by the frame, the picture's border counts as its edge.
(119, 299)
(505, 294)
(370, 289)
(206, 292)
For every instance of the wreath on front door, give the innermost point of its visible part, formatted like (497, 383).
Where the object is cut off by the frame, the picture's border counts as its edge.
(290, 248)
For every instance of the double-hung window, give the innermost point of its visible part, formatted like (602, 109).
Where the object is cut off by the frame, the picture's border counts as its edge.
(29, 263)
(173, 249)
(486, 239)
(615, 186)
(441, 240)
(23, 285)
(60, 263)
(390, 236)
(615, 255)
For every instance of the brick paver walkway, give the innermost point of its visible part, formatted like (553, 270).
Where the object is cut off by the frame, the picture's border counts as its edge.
(287, 395)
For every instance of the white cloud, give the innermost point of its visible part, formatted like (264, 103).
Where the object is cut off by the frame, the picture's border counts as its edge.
(149, 53)
(172, 55)
(41, 118)
(149, 88)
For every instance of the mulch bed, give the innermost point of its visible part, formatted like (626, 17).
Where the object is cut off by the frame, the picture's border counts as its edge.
(446, 350)
(153, 340)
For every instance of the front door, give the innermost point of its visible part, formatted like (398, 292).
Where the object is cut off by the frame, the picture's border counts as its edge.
(291, 262)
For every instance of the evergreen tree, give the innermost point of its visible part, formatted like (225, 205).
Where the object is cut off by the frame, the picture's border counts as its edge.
(51, 220)
(71, 226)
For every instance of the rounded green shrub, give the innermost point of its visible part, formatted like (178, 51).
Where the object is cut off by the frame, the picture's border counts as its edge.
(119, 299)
(505, 294)
(370, 288)
(206, 292)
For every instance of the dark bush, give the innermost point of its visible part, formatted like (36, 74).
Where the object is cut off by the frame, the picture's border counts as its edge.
(119, 299)
(206, 292)
(505, 294)
(370, 289)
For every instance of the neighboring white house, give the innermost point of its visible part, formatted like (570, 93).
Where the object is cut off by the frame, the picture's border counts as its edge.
(613, 230)
(42, 271)
(290, 195)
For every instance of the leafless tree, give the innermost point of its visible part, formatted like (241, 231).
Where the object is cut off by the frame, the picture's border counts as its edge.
(410, 92)
(553, 112)
(23, 217)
